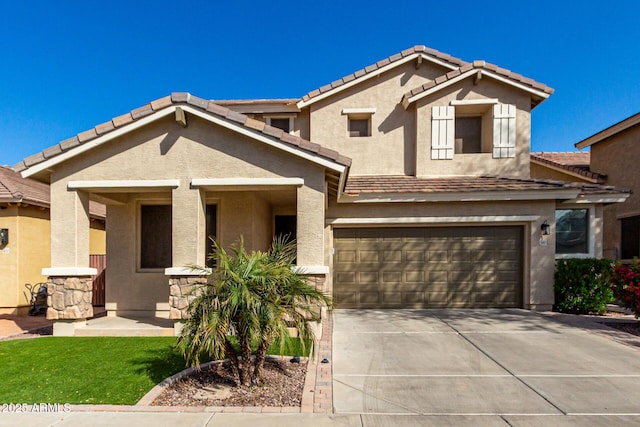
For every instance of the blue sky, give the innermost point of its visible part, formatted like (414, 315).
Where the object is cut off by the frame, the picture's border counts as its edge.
(68, 66)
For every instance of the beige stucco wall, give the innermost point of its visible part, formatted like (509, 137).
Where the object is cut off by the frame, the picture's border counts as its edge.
(618, 158)
(391, 148)
(165, 150)
(538, 263)
(481, 163)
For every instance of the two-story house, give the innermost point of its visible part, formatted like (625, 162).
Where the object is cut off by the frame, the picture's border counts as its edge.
(406, 185)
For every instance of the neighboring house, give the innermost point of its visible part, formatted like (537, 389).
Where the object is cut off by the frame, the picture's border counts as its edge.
(615, 153)
(406, 184)
(24, 219)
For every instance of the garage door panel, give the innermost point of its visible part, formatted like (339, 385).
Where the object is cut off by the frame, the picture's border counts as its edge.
(428, 267)
(437, 256)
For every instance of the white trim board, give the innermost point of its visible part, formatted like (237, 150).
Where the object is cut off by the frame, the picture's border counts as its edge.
(249, 182)
(69, 271)
(120, 184)
(433, 220)
(186, 271)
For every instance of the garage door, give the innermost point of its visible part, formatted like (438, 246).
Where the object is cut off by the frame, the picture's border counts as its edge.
(428, 267)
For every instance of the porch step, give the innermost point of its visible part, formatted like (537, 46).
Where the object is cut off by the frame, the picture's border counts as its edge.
(124, 332)
(116, 326)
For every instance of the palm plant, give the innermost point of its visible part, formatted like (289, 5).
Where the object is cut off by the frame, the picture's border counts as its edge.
(255, 297)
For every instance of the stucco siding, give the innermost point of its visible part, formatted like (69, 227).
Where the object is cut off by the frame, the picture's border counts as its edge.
(390, 149)
(481, 163)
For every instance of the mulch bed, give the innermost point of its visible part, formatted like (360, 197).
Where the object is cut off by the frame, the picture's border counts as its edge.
(282, 385)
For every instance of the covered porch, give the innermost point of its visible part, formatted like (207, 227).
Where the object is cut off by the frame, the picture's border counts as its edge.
(157, 230)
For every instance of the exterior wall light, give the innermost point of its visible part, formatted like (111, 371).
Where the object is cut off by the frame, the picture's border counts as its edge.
(545, 228)
(4, 236)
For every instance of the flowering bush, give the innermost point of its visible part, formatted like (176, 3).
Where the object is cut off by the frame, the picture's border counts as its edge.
(582, 286)
(626, 285)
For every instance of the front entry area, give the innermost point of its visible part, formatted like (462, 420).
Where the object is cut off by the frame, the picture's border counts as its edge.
(428, 267)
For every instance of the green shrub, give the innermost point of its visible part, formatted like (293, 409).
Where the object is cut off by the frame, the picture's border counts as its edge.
(626, 285)
(583, 286)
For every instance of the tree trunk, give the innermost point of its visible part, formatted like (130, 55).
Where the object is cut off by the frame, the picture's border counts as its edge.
(261, 354)
(231, 354)
(245, 353)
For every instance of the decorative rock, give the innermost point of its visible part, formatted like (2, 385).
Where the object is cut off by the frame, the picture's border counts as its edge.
(69, 297)
(182, 291)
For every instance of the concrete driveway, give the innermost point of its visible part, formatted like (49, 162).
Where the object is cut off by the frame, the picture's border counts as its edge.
(511, 366)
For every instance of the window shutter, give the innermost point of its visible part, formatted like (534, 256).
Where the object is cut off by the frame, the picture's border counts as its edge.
(504, 131)
(442, 132)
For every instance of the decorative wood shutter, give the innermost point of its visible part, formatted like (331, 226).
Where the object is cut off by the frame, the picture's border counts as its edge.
(504, 131)
(442, 132)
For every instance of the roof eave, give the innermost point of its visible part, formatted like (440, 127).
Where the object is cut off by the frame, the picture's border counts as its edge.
(598, 198)
(609, 132)
(36, 168)
(408, 100)
(480, 196)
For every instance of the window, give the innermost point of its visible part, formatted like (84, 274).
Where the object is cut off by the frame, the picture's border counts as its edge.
(572, 231)
(211, 216)
(285, 226)
(359, 127)
(281, 122)
(630, 237)
(468, 135)
(473, 126)
(358, 121)
(155, 236)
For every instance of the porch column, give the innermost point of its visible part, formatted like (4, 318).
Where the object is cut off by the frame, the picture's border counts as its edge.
(189, 248)
(188, 228)
(69, 281)
(310, 228)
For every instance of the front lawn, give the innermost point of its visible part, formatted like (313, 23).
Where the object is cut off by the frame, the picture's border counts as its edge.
(91, 370)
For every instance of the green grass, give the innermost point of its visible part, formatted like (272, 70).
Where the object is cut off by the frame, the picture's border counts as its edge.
(79, 370)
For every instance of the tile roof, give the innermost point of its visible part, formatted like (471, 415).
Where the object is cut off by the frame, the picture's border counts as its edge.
(182, 98)
(419, 49)
(575, 162)
(459, 66)
(13, 187)
(464, 184)
(16, 189)
(478, 65)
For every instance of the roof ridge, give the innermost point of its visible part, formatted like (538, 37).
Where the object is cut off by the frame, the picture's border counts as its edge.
(180, 98)
(457, 62)
(476, 65)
